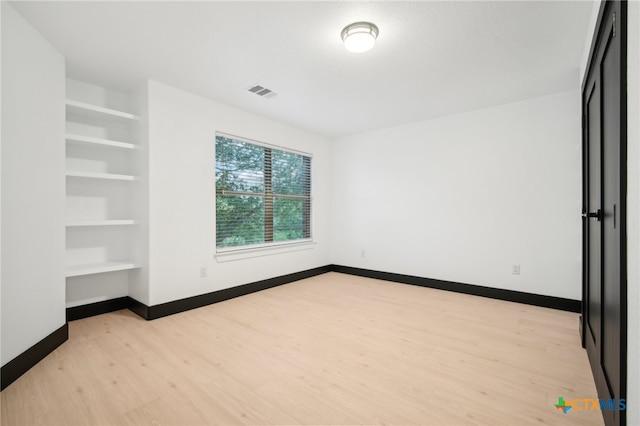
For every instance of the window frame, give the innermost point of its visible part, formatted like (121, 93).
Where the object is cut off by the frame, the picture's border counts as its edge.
(269, 200)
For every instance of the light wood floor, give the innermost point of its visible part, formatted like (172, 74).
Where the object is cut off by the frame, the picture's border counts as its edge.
(333, 349)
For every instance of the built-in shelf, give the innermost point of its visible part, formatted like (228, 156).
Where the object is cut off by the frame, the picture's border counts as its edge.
(99, 141)
(94, 175)
(98, 111)
(104, 241)
(118, 222)
(98, 268)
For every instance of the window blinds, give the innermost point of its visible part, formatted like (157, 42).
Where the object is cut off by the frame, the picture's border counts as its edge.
(263, 194)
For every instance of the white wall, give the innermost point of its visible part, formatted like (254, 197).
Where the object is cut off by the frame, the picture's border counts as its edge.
(595, 8)
(182, 129)
(466, 197)
(1, 363)
(33, 186)
(139, 277)
(633, 215)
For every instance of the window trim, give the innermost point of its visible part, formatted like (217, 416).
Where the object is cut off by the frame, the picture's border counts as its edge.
(270, 245)
(263, 144)
(231, 254)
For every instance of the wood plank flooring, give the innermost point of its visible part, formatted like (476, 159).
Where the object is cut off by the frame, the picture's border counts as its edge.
(332, 349)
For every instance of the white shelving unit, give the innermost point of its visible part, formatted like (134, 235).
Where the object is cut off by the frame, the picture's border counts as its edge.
(99, 141)
(98, 268)
(98, 175)
(113, 222)
(99, 112)
(102, 168)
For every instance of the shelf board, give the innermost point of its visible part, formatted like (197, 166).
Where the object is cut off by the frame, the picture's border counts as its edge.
(98, 111)
(99, 141)
(117, 222)
(98, 268)
(94, 175)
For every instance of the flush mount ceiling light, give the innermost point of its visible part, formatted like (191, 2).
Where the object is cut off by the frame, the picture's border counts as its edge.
(359, 36)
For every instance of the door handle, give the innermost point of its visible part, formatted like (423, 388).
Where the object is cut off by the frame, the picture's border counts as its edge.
(596, 214)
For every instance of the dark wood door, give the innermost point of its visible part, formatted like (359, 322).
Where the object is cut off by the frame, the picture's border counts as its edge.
(604, 207)
(593, 221)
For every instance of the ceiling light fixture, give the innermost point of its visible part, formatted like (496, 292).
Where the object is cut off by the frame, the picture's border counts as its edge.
(359, 36)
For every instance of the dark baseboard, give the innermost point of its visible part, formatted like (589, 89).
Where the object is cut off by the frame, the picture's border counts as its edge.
(475, 290)
(15, 368)
(177, 306)
(139, 308)
(85, 311)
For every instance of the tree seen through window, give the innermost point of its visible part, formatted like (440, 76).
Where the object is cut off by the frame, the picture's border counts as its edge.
(263, 194)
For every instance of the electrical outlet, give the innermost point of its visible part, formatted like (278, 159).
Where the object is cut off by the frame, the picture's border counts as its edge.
(516, 270)
(203, 272)
(363, 253)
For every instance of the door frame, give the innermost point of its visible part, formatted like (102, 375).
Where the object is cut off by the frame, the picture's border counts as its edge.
(598, 38)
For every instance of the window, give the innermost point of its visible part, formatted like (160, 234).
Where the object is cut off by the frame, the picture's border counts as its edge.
(263, 194)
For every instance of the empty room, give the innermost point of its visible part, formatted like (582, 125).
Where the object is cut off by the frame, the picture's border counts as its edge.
(320, 213)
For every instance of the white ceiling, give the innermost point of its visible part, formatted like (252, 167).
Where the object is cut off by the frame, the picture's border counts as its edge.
(431, 59)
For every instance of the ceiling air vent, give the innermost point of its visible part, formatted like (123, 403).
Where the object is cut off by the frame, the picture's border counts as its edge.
(262, 91)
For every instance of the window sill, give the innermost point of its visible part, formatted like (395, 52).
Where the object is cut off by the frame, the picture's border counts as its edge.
(231, 254)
